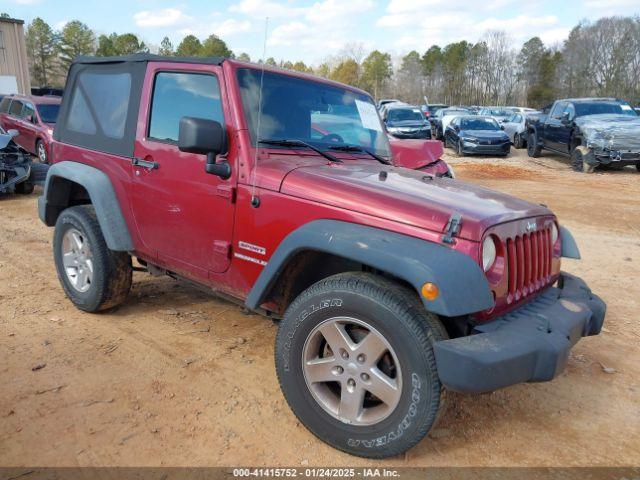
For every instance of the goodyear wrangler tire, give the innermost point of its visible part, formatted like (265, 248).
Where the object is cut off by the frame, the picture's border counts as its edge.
(354, 357)
(93, 277)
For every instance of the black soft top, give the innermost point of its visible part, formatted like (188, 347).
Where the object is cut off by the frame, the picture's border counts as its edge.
(148, 57)
(100, 107)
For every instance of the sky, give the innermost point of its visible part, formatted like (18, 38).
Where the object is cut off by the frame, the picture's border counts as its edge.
(313, 30)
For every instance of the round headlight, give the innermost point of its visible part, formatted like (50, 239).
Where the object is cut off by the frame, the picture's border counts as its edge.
(554, 234)
(488, 253)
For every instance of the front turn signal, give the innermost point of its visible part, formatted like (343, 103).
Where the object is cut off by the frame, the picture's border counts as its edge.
(430, 291)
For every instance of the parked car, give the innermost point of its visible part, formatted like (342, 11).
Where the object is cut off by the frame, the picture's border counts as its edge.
(498, 113)
(593, 131)
(436, 120)
(17, 172)
(50, 91)
(477, 135)
(429, 110)
(406, 122)
(516, 127)
(524, 110)
(381, 103)
(389, 285)
(34, 118)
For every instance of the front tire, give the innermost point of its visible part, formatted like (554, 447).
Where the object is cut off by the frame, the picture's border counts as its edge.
(518, 141)
(354, 357)
(25, 188)
(533, 149)
(93, 277)
(579, 160)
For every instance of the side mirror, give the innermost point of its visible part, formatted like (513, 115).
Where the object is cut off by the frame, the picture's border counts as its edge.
(13, 133)
(501, 127)
(565, 118)
(205, 137)
(456, 128)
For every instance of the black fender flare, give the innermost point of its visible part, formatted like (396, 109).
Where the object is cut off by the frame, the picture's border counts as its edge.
(103, 198)
(569, 245)
(462, 284)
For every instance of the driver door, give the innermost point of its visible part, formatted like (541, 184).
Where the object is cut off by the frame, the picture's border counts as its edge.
(183, 214)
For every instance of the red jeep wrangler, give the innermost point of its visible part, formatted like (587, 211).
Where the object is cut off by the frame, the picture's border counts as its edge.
(391, 285)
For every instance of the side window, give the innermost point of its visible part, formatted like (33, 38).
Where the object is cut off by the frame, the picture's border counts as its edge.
(28, 112)
(100, 103)
(4, 105)
(557, 110)
(570, 109)
(177, 95)
(16, 108)
(518, 118)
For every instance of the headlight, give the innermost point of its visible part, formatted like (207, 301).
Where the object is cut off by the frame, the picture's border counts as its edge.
(554, 234)
(470, 140)
(488, 253)
(393, 129)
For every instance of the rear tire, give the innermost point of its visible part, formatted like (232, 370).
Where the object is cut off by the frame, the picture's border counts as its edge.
(638, 167)
(25, 188)
(402, 330)
(459, 149)
(93, 277)
(533, 149)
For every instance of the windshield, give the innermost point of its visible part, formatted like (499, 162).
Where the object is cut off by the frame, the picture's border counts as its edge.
(312, 112)
(602, 107)
(404, 114)
(48, 112)
(479, 124)
(500, 112)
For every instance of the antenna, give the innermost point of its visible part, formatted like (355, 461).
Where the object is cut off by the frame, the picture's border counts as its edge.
(255, 200)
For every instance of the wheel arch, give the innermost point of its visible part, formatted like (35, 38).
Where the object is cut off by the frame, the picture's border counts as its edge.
(72, 183)
(341, 246)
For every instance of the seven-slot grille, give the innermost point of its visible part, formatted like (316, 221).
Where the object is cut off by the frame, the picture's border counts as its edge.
(528, 263)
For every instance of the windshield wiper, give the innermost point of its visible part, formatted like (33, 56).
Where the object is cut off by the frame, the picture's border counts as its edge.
(355, 148)
(300, 143)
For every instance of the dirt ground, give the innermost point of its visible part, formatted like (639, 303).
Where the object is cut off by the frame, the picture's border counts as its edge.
(177, 378)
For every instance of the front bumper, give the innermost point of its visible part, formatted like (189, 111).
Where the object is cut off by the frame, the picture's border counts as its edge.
(420, 134)
(529, 344)
(475, 148)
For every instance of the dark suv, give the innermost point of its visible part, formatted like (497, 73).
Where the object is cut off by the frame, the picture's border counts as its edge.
(390, 285)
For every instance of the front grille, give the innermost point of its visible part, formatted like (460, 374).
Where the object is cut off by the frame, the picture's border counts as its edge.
(528, 263)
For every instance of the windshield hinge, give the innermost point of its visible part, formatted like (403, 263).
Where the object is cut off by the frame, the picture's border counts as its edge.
(452, 228)
(226, 191)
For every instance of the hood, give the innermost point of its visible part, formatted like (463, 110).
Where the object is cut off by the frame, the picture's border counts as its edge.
(611, 131)
(483, 134)
(407, 196)
(415, 153)
(408, 124)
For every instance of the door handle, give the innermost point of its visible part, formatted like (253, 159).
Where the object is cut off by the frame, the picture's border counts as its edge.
(148, 164)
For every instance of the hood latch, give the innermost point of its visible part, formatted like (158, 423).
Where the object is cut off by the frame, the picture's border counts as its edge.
(453, 228)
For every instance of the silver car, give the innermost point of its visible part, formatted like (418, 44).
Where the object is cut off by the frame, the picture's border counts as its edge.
(515, 127)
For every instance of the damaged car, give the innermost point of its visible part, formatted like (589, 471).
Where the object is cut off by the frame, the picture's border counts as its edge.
(17, 171)
(593, 131)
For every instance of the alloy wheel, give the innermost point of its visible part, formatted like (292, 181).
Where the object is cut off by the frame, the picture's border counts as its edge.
(77, 260)
(352, 371)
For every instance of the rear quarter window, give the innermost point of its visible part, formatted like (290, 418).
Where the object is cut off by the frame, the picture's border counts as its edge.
(100, 104)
